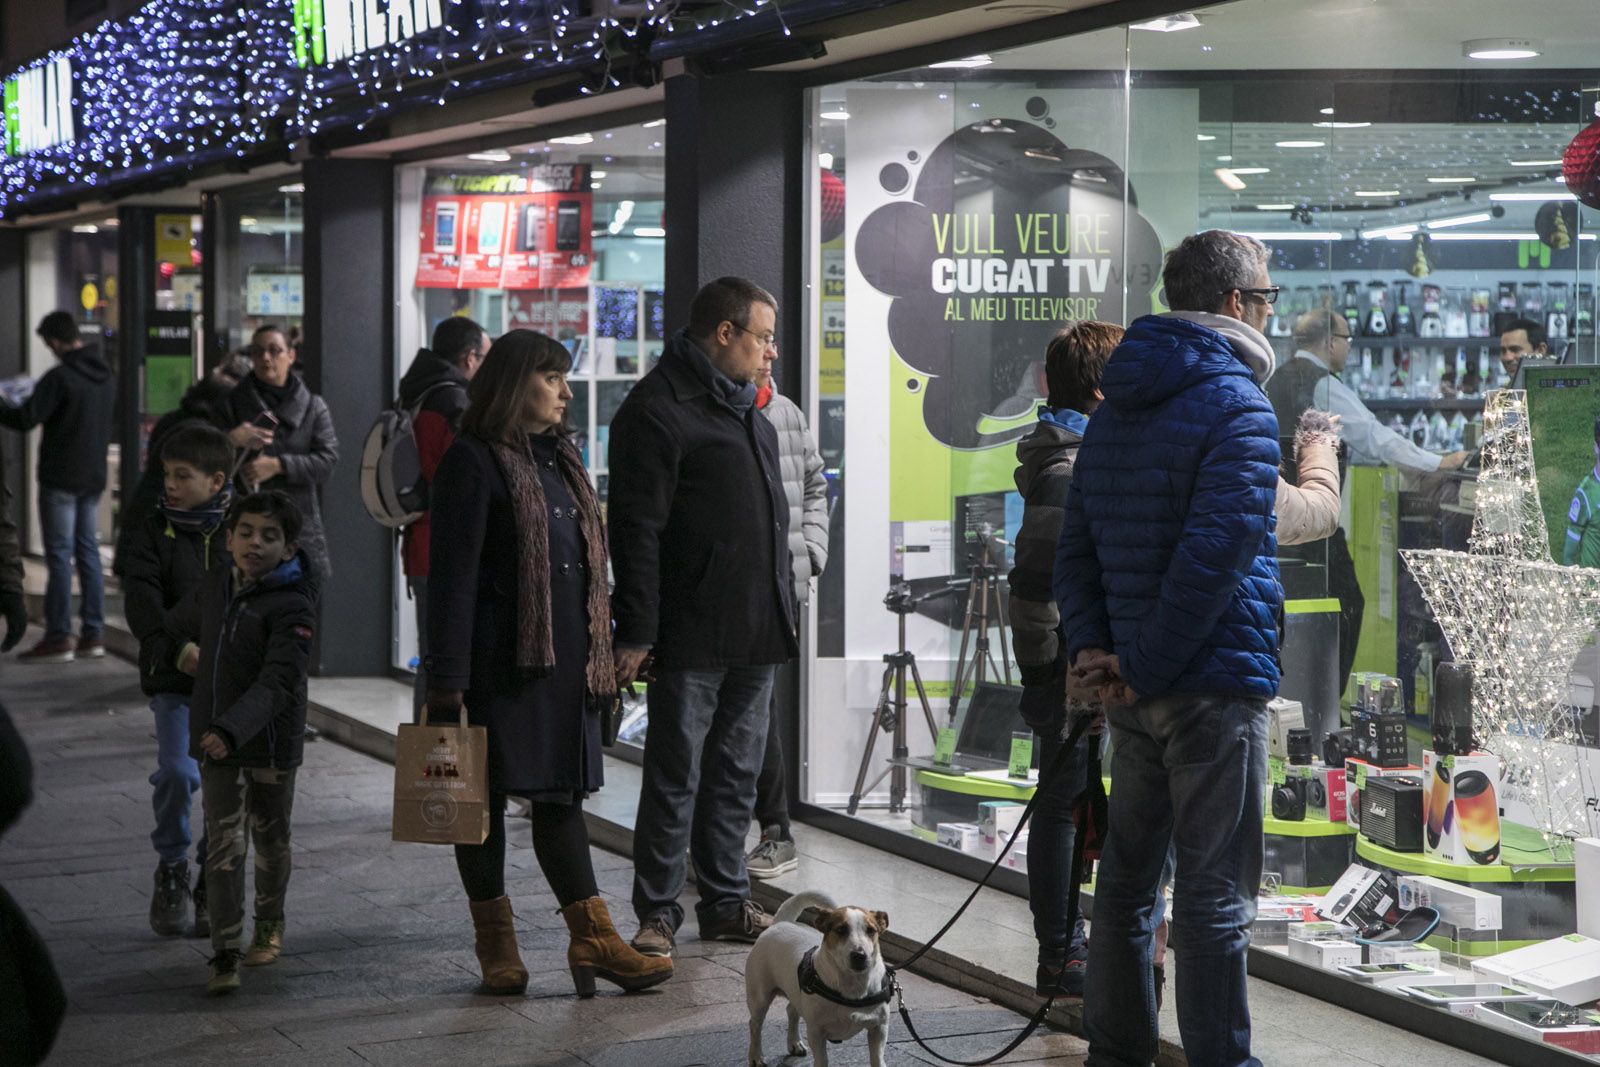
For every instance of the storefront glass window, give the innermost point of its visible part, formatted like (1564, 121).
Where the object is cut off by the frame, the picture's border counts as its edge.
(261, 256)
(564, 236)
(1413, 200)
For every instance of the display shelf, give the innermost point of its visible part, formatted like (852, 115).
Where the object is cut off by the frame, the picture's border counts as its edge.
(1422, 403)
(1516, 865)
(987, 788)
(1310, 826)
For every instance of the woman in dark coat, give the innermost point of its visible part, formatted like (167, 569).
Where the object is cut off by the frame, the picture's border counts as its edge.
(286, 435)
(519, 626)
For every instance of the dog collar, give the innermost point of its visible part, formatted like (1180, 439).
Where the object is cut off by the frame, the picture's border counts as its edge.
(811, 982)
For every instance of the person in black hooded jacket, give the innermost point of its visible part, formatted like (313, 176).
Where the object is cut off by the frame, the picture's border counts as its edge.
(435, 386)
(246, 636)
(75, 402)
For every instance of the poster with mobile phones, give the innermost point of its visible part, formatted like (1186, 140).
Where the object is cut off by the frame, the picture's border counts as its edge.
(524, 230)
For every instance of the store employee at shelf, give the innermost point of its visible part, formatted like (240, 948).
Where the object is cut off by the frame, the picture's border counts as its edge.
(1322, 347)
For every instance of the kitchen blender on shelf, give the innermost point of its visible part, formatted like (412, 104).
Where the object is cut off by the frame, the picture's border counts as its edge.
(1377, 322)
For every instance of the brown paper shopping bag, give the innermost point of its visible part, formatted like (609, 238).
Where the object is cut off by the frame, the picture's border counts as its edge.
(441, 783)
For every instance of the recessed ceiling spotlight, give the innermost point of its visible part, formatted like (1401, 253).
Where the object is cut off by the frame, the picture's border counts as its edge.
(1534, 162)
(1251, 170)
(575, 139)
(1451, 181)
(1204, 137)
(653, 123)
(1501, 48)
(1302, 144)
(970, 63)
(490, 157)
(1274, 207)
(835, 114)
(597, 174)
(825, 160)
(1376, 194)
(293, 187)
(1325, 111)
(1169, 24)
(1224, 159)
(1340, 125)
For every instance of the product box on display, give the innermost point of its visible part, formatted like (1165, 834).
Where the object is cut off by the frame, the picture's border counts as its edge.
(1586, 857)
(1327, 796)
(997, 822)
(1361, 897)
(1546, 1021)
(1565, 968)
(1394, 974)
(1403, 952)
(1283, 716)
(1321, 930)
(1356, 773)
(1017, 858)
(1460, 808)
(1327, 954)
(1458, 905)
(961, 836)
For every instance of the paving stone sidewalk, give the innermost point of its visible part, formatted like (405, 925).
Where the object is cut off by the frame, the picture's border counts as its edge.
(378, 966)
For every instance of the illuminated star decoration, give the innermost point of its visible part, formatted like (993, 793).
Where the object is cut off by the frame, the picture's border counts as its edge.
(1517, 619)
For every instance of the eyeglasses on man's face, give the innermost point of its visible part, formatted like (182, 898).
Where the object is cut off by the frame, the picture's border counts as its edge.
(767, 340)
(1267, 295)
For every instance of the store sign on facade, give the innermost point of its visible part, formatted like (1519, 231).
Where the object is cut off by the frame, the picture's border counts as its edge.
(38, 108)
(329, 31)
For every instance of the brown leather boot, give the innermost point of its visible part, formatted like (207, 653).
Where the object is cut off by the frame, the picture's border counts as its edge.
(496, 943)
(598, 952)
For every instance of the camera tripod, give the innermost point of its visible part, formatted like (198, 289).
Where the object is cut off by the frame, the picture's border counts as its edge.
(983, 582)
(890, 716)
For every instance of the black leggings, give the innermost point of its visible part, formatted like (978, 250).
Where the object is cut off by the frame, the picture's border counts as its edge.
(560, 842)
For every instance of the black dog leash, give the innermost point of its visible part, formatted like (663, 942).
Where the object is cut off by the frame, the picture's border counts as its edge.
(1078, 846)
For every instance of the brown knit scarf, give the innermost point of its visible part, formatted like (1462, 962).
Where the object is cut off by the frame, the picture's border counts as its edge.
(535, 647)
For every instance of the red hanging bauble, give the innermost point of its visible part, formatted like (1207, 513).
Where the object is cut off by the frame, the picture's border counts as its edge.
(832, 206)
(1580, 165)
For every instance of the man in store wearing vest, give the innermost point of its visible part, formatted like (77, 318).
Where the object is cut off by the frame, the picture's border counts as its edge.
(1310, 380)
(1582, 546)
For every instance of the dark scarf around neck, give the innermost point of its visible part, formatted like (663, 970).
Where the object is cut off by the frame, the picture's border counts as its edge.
(535, 644)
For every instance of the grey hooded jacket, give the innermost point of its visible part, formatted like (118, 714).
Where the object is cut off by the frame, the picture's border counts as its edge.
(806, 489)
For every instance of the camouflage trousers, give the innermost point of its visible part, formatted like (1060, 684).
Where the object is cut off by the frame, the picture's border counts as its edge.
(243, 803)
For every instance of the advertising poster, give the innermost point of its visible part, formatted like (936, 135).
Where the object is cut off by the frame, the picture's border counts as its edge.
(1564, 414)
(527, 230)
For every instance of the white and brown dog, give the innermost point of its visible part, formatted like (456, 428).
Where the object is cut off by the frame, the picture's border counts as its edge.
(832, 975)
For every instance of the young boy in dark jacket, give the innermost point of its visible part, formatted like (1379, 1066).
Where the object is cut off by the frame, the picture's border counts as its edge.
(248, 633)
(166, 555)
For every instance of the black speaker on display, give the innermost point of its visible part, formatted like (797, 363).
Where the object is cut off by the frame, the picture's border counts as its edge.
(1391, 813)
(1452, 710)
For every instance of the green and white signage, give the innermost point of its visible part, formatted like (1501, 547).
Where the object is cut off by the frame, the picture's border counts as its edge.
(38, 108)
(328, 31)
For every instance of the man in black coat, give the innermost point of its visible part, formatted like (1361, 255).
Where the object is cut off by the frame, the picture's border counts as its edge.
(75, 402)
(699, 544)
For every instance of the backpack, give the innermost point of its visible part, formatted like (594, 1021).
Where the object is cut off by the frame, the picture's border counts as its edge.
(392, 486)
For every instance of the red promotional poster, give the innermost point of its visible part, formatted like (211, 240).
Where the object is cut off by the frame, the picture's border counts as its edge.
(528, 230)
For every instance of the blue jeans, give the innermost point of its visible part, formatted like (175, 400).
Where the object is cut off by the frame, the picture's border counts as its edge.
(175, 780)
(67, 521)
(702, 753)
(1190, 771)
(1050, 840)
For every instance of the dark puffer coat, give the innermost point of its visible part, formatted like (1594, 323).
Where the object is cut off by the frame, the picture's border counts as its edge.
(255, 649)
(161, 565)
(305, 443)
(1167, 555)
(544, 738)
(75, 401)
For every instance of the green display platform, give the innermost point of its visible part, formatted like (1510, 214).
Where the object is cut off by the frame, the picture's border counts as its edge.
(1309, 854)
(1516, 866)
(983, 788)
(1307, 827)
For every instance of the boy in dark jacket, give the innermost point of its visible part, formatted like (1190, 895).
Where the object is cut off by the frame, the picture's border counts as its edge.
(248, 633)
(166, 555)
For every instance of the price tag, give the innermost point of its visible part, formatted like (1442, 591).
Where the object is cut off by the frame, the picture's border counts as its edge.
(945, 746)
(1450, 763)
(1021, 756)
(1275, 770)
(1361, 776)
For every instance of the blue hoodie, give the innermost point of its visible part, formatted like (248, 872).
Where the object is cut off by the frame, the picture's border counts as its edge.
(1167, 555)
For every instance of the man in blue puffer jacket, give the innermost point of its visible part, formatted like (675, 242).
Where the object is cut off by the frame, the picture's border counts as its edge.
(1170, 603)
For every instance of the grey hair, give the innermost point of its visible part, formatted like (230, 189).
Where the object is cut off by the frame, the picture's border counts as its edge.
(1314, 327)
(1206, 266)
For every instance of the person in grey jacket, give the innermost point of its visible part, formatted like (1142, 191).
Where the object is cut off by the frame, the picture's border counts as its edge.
(285, 434)
(806, 489)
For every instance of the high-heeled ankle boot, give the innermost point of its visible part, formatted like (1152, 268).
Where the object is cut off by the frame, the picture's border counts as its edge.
(496, 944)
(597, 951)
